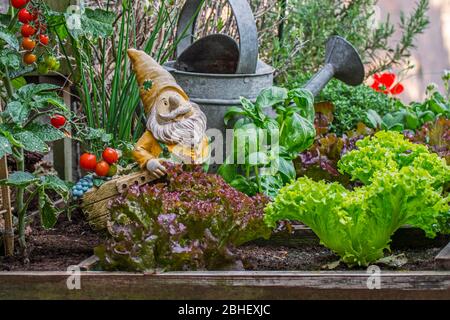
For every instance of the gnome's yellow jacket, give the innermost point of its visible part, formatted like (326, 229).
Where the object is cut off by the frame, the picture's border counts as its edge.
(148, 148)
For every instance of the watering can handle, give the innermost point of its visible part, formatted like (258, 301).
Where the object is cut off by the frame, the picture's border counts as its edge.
(246, 24)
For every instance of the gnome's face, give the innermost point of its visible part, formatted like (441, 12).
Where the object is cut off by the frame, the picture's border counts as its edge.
(172, 106)
(175, 120)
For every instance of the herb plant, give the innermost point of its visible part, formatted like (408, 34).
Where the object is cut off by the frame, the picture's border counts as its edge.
(265, 163)
(190, 221)
(415, 115)
(403, 185)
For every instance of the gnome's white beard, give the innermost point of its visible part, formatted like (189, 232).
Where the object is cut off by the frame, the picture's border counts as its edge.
(188, 132)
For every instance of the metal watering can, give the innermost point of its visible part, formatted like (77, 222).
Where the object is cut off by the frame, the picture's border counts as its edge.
(215, 71)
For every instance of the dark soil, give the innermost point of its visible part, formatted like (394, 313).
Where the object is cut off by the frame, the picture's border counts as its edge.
(69, 243)
(314, 257)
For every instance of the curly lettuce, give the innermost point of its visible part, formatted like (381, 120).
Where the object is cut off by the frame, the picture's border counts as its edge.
(403, 186)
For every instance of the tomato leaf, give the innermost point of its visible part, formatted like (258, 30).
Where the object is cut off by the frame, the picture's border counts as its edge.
(31, 142)
(46, 132)
(19, 179)
(17, 111)
(5, 147)
(49, 214)
(9, 38)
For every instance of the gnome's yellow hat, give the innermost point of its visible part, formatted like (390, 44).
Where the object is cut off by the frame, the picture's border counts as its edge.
(152, 78)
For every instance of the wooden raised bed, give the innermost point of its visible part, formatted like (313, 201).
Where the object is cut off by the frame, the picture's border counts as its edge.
(225, 285)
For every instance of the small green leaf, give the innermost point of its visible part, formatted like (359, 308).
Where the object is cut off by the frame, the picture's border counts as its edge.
(46, 132)
(32, 142)
(232, 112)
(374, 119)
(228, 172)
(271, 96)
(287, 170)
(19, 179)
(9, 38)
(10, 58)
(17, 111)
(5, 147)
(19, 82)
(56, 184)
(49, 214)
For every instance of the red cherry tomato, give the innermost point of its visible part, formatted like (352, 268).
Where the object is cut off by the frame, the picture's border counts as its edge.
(110, 155)
(58, 121)
(43, 39)
(19, 3)
(28, 30)
(25, 16)
(102, 169)
(88, 161)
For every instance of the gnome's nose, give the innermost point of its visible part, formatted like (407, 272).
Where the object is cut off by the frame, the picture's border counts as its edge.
(174, 103)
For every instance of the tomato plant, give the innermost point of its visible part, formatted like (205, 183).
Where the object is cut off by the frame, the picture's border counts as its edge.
(28, 44)
(27, 30)
(102, 169)
(110, 155)
(19, 3)
(43, 39)
(29, 58)
(58, 121)
(25, 16)
(88, 161)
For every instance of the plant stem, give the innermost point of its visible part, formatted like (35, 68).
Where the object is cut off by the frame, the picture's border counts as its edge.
(8, 83)
(258, 180)
(20, 162)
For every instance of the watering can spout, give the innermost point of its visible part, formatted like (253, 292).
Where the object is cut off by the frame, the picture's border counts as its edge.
(342, 62)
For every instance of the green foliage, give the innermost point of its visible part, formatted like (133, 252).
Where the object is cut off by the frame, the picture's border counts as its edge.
(403, 185)
(41, 188)
(351, 104)
(192, 220)
(312, 22)
(265, 146)
(108, 89)
(414, 116)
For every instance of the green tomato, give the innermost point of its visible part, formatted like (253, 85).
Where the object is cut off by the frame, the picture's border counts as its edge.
(51, 62)
(42, 68)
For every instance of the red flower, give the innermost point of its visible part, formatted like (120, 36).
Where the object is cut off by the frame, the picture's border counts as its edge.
(385, 83)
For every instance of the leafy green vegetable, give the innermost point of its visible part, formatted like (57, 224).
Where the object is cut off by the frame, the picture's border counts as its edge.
(403, 185)
(390, 150)
(265, 146)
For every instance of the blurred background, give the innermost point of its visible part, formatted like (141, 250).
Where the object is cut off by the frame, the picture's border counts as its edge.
(432, 55)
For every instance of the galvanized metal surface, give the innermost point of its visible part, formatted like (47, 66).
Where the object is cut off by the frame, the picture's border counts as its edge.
(342, 61)
(246, 24)
(215, 53)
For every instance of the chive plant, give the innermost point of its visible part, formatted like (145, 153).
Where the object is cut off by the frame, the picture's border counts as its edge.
(110, 102)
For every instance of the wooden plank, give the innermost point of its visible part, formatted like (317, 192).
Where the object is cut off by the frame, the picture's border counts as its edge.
(8, 237)
(443, 258)
(225, 285)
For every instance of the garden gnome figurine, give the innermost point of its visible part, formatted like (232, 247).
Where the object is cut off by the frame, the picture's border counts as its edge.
(175, 126)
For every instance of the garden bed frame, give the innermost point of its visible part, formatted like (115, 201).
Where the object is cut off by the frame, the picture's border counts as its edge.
(225, 285)
(232, 285)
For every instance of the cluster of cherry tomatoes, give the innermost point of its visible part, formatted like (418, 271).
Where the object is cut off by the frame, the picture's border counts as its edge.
(106, 167)
(33, 28)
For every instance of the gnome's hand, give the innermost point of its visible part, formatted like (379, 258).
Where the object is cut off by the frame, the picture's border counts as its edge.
(155, 168)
